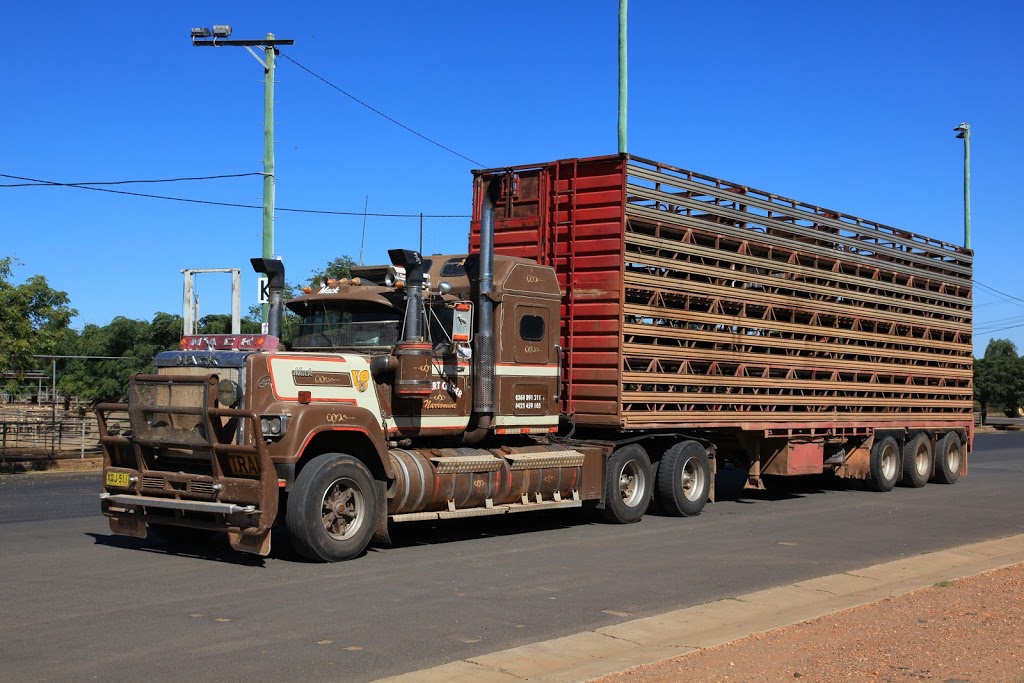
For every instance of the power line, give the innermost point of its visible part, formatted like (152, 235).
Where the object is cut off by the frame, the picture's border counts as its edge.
(47, 183)
(1001, 329)
(379, 112)
(1009, 298)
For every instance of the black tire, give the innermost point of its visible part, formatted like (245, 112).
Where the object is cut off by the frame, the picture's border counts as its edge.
(180, 535)
(949, 459)
(684, 479)
(628, 485)
(329, 483)
(884, 465)
(917, 461)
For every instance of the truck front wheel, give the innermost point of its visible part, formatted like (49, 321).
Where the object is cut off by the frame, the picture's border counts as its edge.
(684, 479)
(628, 481)
(332, 508)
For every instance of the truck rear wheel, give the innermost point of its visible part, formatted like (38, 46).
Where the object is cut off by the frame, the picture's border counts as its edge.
(885, 459)
(332, 508)
(949, 459)
(684, 479)
(917, 461)
(628, 481)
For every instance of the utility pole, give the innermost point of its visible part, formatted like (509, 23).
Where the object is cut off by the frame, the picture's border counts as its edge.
(270, 54)
(201, 37)
(963, 131)
(623, 89)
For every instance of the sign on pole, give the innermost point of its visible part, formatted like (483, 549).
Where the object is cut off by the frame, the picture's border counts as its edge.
(264, 285)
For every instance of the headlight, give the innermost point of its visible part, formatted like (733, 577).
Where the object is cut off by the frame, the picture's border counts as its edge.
(227, 393)
(272, 425)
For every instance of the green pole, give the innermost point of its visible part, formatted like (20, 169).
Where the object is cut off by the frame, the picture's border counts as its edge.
(268, 156)
(967, 186)
(622, 75)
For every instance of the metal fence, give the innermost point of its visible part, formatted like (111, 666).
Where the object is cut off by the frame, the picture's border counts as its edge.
(42, 432)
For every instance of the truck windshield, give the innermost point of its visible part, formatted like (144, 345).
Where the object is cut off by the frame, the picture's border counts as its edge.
(330, 326)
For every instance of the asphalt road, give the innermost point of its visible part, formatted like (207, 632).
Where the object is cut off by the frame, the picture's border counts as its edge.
(82, 604)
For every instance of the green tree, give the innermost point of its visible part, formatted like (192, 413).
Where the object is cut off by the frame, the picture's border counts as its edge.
(999, 377)
(336, 269)
(220, 323)
(34, 320)
(132, 343)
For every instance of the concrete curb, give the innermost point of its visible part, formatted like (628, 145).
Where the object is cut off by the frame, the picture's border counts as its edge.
(591, 654)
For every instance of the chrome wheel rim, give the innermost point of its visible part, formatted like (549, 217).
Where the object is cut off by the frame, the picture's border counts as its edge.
(921, 460)
(343, 509)
(889, 462)
(632, 483)
(953, 458)
(692, 480)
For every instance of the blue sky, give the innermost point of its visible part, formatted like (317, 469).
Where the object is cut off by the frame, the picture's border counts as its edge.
(849, 105)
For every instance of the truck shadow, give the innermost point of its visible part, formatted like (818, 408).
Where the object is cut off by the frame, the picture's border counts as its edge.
(214, 548)
(729, 482)
(410, 534)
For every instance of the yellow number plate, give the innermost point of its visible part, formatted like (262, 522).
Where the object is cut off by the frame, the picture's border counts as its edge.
(244, 464)
(119, 479)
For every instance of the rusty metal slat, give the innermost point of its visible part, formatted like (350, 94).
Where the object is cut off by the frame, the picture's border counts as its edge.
(797, 285)
(639, 352)
(655, 216)
(790, 420)
(781, 401)
(740, 382)
(767, 342)
(678, 246)
(705, 290)
(717, 183)
(854, 246)
(866, 231)
(689, 316)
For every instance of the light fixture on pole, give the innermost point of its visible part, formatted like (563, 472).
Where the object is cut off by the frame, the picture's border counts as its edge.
(963, 131)
(201, 37)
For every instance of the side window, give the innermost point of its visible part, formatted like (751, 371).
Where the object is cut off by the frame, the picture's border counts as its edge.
(531, 328)
(530, 334)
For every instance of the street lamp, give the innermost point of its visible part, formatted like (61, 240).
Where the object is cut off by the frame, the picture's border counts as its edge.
(217, 37)
(963, 131)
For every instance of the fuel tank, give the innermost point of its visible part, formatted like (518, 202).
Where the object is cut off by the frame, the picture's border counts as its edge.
(457, 478)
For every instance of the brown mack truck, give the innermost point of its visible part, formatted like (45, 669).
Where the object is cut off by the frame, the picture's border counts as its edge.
(618, 329)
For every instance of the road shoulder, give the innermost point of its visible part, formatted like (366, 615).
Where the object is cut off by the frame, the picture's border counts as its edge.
(606, 650)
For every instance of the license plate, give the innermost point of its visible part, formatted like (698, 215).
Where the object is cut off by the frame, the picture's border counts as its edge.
(118, 479)
(244, 464)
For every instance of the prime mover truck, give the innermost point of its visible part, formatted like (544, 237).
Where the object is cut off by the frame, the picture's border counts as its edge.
(616, 330)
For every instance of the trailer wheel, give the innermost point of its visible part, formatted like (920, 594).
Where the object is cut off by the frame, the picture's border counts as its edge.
(627, 485)
(883, 469)
(949, 459)
(684, 479)
(332, 508)
(917, 461)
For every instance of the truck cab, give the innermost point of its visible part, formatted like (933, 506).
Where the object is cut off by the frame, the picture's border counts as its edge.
(383, 368)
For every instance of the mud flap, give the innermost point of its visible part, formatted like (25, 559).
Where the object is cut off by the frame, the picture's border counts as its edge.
(380, 530)
(250, 541)
(127, 527)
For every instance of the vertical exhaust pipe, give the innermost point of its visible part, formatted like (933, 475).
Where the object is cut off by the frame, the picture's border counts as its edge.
(483, 354)
(483, 342)
(413, 354)
(274, 270)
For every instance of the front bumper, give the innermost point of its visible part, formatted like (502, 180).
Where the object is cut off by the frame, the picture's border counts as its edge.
(198, 477)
